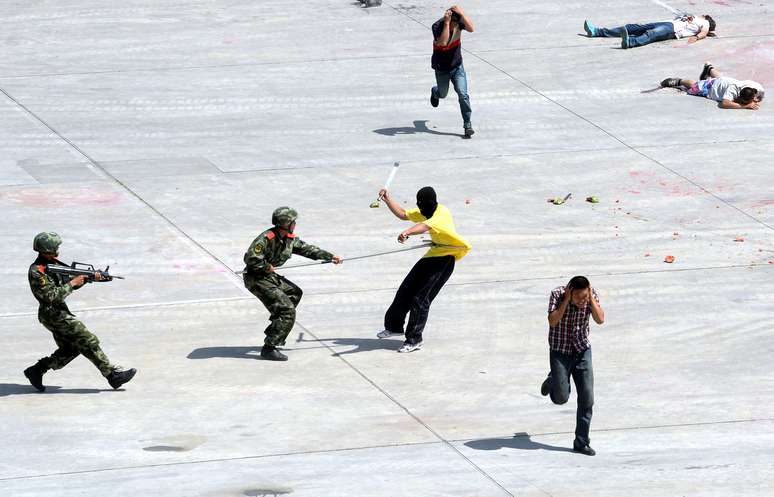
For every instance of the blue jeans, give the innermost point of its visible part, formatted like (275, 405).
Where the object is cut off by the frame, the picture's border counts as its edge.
(641, 34)
(458, 79)
(579, 367)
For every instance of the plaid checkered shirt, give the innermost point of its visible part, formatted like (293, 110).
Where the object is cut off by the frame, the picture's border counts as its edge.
(571, 334)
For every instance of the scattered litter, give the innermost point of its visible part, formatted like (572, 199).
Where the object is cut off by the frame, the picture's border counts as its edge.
(669, 259)
(593, 200)
(738, 239)
(374, 204)
(559, 200)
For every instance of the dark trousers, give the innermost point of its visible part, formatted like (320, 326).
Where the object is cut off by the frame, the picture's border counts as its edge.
(579, 367)
(415, 295)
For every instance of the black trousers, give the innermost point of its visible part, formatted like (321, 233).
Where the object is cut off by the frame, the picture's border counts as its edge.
(415, 295)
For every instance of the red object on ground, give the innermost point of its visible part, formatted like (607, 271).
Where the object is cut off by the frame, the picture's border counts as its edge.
(669, 259)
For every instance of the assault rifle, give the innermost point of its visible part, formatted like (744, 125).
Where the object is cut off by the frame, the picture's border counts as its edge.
(79, 269)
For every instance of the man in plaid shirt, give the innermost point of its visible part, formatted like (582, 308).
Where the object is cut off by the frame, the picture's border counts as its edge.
(569, 309)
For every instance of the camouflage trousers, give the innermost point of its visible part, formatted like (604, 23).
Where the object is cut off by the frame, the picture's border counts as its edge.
(281, 297)
(73, 339)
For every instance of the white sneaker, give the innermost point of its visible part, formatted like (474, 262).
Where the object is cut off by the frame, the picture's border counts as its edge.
(410, 347)
(387, 334)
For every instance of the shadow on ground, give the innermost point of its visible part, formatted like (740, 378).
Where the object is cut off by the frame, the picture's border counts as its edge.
(362, 344)
(520, 440)
(419, 127)
(251, 352)
(359, 344)
(7, 389)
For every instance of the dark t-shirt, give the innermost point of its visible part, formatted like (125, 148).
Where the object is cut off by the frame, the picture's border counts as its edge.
(446, 58)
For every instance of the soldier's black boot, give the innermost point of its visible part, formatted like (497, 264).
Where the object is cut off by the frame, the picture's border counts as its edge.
(35, 374)
(118, 378)
(272, 354)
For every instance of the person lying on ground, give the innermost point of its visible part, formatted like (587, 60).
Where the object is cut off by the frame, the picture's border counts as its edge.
(694, 28)
(729, 92)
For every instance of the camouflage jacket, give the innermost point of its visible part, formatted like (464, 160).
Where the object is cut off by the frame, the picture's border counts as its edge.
(49, 289)
(271, 248)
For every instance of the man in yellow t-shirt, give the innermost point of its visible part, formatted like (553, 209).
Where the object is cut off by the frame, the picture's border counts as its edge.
(429, 274)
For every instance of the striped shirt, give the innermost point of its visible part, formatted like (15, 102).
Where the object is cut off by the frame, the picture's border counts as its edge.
(571, 334)
(447, 57)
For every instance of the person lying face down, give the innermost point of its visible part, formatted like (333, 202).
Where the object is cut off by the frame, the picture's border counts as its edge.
(730, 93)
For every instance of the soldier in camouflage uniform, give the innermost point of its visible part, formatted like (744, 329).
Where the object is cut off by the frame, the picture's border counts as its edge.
(270, 250)
(71, 336)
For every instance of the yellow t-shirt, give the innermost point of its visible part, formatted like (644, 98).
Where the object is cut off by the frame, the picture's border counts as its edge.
(442, 232)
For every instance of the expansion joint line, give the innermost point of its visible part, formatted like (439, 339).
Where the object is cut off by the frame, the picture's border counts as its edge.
(101, 169)
(600, 128)
(416, 418)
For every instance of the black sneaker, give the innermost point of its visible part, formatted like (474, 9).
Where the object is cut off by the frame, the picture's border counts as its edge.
(119, 377)
(35, 376)
(671, 83)
(272, 354)
(545, 388)
(706, 71)
(586, 450)
(469, 132)
(433, 99)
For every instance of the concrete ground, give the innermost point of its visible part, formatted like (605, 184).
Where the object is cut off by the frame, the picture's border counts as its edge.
(157, 137)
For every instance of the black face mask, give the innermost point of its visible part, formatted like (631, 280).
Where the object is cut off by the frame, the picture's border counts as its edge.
(426, 201)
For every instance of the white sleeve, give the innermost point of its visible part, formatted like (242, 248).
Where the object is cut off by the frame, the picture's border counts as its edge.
(731, 93)
(758, 87)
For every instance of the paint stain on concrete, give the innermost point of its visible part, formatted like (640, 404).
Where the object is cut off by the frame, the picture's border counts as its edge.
(672, 188)
(198, 267)
(47, 199)
(267, 491)
(175, 443)
(761, 51)
(713, 466)
(165, 448)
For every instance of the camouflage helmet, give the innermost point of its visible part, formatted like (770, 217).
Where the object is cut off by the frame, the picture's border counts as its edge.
(283, 216)
(47, 243)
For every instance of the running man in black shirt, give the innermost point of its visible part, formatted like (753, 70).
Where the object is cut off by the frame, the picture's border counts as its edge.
(447, 61)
